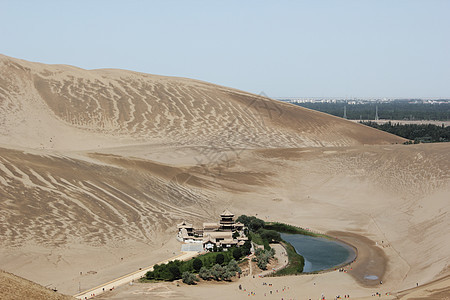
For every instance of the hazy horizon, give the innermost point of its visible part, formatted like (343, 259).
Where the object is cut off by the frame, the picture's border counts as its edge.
(346, 49)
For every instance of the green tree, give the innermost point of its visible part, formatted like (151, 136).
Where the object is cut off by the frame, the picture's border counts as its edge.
(220, 259)
(246, 248)
(237, 253)
(244, 220)
(256, 224)
(175, 271)
(197, 264)
(150, 275)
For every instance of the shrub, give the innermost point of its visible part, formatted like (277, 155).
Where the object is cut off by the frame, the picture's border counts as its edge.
(217, 272)
(262, 264)
(204, 273)
(189, 278)
(233, 266)
(263, 257)
(227, 274)
(272, 252)
(266, 245)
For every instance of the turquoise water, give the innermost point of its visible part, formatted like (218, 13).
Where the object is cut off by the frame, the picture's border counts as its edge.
(320, 253)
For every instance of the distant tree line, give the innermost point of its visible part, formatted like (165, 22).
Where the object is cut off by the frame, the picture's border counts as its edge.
(397, 110)
(419, 133)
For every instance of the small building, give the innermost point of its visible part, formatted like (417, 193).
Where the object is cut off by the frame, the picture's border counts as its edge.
(208, 243)
(187, 233)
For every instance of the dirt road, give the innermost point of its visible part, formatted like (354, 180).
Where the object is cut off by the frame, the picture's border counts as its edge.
(129, 278)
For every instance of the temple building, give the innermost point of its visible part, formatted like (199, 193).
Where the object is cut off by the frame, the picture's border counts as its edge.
(214, 234)
(226, 222)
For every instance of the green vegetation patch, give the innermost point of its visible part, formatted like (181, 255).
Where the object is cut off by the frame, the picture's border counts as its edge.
(395, 110)
(263, 233)
(263, 257)
(212, 265)
(286, 228)
(419, 133)
(256, 238)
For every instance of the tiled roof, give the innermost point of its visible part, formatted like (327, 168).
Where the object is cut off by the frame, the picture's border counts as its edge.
(227, 213)
(184, 225)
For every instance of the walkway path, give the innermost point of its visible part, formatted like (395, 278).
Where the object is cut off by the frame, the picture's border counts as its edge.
(250, 267)
(281, 256)
(128, 278)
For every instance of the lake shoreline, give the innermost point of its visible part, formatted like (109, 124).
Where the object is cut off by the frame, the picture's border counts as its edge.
(371, 259)
(326, 255)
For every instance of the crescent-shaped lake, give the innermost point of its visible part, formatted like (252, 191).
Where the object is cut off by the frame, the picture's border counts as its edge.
(320, 253)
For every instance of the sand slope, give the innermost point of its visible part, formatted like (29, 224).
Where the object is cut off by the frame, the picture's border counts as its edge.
(59, 212)
(97, 167)
(13, 287)
(63, 107)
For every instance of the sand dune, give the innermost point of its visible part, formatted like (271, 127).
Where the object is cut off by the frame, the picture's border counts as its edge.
(96, 167)
(63, 107)
(52, 203)
(13, 287)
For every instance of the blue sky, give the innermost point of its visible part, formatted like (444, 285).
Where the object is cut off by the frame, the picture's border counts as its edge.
(285, 48)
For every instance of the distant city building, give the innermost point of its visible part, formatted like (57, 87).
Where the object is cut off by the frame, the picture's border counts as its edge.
(355, 101)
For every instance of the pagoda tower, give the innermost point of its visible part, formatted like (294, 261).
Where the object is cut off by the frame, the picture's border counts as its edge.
(226, 221)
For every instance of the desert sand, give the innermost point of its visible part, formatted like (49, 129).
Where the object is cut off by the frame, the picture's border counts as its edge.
(14, 287)
(97, 167)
